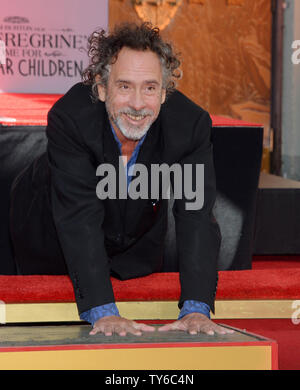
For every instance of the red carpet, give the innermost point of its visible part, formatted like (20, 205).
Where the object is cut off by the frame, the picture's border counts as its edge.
(267, 280)
(25, 109)
(32, 109)
(275, 261)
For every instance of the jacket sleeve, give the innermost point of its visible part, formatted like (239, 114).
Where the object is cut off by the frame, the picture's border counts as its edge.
(78, 213)
(198, 235)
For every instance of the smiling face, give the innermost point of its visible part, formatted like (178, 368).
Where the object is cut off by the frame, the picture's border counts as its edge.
(134, 92)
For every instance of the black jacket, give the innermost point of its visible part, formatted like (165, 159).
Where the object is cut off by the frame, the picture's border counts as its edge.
(125, 237)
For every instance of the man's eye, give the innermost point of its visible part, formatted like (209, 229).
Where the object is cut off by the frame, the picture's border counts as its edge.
(151, 89)
(124, 86)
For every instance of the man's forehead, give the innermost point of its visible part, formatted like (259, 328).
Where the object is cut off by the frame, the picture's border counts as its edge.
(140, 63)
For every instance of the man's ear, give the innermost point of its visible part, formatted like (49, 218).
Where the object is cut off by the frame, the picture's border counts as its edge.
(163, 95)
(101, 89)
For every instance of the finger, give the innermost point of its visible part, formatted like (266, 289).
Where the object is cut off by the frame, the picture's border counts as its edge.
(210, 332)
(108, 331)
(207, 329)
(177, 325)
(203, 326)
(134, 331)
(120, 331)
(130, 327)
(193, 330)
(222, 330)
(166, 327)
(95, 331)
(143, 327)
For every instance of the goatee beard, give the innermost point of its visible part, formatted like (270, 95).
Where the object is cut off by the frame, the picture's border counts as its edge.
(130, 132)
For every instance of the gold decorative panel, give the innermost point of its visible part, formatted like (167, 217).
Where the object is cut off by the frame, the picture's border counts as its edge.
(158, 12)
(225, 48)
(197, 1)
(235, 2)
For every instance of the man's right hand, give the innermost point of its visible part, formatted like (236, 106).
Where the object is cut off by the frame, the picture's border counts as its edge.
(114, 324)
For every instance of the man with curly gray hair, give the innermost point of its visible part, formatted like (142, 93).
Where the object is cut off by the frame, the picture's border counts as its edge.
(126, 108)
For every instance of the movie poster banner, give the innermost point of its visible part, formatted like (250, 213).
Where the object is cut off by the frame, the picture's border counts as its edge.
(43, 43)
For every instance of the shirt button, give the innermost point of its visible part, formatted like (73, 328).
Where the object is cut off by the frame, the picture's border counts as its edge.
(118, 238)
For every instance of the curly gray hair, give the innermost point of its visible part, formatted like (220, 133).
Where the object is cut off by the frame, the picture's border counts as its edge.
(104, 49)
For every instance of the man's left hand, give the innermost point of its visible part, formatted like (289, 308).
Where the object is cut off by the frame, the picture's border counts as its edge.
(195, 323)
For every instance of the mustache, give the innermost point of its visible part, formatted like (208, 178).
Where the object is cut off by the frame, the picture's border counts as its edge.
(132, 111)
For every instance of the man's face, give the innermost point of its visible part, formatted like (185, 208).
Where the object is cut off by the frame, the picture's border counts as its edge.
(134, 92)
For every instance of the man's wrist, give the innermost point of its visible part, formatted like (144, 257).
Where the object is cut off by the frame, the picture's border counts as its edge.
(94, 314)
(191, 306)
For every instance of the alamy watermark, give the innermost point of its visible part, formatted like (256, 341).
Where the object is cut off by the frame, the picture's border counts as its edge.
(2, 312)
(2, 53)
(188, 182)
(296, 54)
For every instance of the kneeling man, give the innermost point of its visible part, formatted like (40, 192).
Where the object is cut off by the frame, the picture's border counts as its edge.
(64, 220)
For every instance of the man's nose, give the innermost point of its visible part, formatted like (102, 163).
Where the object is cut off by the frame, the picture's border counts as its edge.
(137, 100)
